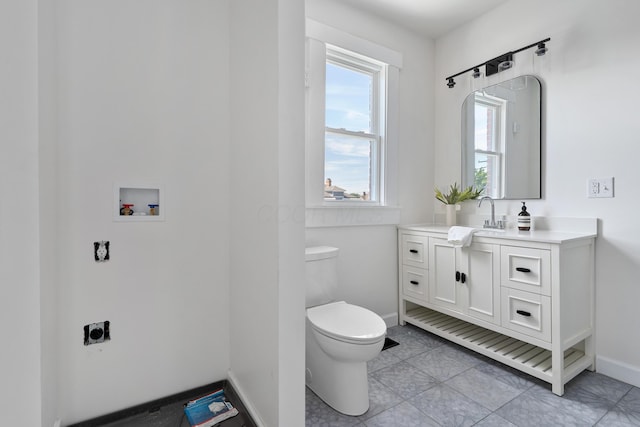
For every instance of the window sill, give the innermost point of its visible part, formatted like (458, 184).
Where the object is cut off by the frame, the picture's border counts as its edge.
(350, 216)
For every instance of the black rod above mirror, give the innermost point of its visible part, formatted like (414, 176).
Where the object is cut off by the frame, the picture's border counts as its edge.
(499, 63)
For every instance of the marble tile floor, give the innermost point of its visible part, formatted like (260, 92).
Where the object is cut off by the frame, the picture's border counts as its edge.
(427, 381)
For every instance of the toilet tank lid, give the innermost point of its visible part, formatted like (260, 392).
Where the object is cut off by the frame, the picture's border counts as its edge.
(320, 252)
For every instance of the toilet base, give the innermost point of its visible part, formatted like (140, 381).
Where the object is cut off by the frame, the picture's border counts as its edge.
(343, 385)
(354, 402)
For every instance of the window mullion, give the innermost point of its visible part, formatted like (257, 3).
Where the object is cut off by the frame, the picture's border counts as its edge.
(351, 133)
(494, 153)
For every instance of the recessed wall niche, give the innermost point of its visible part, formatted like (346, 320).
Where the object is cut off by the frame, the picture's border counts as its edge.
(138, 203)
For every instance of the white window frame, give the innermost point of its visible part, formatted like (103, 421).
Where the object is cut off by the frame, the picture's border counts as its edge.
(321, 213)
(378, 71)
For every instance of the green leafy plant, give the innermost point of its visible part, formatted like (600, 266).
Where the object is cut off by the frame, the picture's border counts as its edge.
(481, 177)
(455, 196)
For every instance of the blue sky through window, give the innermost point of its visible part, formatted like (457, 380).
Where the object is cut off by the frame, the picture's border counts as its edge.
(348, 106)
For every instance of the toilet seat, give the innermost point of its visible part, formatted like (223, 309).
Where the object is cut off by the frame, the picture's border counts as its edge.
(347, 322)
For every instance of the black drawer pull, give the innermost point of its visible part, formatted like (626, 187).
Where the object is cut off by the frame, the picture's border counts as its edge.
(523, 313)
(413, 251)
(523, 270)
(414, 282)
(457, 276)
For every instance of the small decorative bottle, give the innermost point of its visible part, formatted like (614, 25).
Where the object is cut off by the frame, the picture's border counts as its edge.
(524, 219)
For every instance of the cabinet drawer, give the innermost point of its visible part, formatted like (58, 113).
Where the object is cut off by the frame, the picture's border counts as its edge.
(414, 283)
(527, 313)
(526, 269)
(414, 250)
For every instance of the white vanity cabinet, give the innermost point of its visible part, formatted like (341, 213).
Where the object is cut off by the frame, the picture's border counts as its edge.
(526, 300)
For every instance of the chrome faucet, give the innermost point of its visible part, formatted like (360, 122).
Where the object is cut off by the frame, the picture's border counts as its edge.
(492, 222)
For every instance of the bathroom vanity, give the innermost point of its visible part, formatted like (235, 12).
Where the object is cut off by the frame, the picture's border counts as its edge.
(525, 299)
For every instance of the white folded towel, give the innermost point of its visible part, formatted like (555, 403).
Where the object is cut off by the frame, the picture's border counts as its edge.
(461, 236)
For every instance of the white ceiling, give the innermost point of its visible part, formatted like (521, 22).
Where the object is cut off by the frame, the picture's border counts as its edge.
(431, 18)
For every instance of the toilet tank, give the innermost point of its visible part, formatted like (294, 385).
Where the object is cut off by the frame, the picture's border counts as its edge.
(321, 278)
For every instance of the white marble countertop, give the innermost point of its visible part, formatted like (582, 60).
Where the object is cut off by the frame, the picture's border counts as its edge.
(542, 236)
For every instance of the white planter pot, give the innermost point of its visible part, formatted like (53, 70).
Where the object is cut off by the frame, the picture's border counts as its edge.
(451, 214)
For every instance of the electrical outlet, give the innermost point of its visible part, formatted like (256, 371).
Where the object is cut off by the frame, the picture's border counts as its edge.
(96, 332)
(600, 187)
(101, 251)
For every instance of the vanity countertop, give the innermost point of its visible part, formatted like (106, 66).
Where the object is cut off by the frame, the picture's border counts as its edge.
(542, 236)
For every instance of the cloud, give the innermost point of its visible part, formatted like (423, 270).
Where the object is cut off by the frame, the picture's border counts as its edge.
(342, 146)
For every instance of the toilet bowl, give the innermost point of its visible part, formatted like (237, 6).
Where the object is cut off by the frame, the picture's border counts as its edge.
(340, 339)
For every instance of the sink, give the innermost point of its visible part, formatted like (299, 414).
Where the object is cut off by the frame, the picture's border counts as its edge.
(490, 231)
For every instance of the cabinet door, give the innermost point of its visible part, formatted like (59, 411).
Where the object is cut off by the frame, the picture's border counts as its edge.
(443, 287)
(481, 265)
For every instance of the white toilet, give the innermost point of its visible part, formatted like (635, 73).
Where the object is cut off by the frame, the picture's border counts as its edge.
(340, 338)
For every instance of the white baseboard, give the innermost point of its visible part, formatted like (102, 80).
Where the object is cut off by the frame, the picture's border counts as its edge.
(618, 370)
(245, 400)
(390, 319)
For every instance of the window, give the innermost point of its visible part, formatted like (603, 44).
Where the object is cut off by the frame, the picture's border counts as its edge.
(354, 114)
(351, 145)
(489, 144)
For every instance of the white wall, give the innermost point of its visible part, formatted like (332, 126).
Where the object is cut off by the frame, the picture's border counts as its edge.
(368, 257)
(590, 91)
(19, 257)
(142, 97)
(291, 233)
(368, 271)
(267, 246)
(48, 212)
